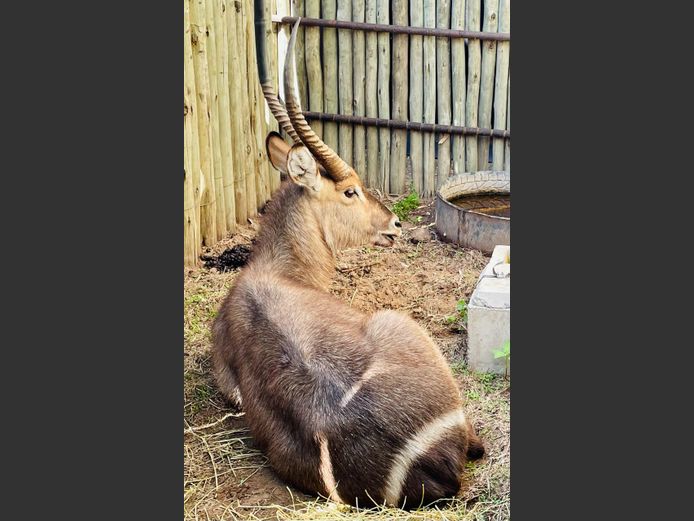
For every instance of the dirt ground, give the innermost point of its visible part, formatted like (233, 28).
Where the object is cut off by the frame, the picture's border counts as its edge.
(226, 478)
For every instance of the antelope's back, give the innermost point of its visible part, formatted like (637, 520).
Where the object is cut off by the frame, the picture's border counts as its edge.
(322, 382)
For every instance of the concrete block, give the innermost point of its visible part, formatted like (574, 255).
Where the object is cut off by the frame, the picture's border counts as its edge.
(489, 315)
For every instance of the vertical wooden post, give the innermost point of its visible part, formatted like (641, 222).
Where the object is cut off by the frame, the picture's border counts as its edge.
(329, 12)
(225, 121)
(398, 138)
(313, 65)
(507, 143)
(246, 46)
(237, 83)
(484, 120)
(344, 71)
(416, 95)
(383, 17)
(501, 84)
(429, 138)
(443, 87)
(298, 10)
(191, 238)
(458, 87)
(214, 73)
(359, 80)
(371, 89)
(191, 159)
(271, 46)
(208, 206)
(472, 23)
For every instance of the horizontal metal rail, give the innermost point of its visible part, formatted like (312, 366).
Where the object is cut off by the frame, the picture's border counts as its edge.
(395, 29)
(407, 125)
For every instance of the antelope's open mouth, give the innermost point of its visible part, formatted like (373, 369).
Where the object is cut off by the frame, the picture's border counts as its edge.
(386, 239)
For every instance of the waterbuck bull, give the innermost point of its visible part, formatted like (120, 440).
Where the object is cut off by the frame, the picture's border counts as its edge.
(358, 408)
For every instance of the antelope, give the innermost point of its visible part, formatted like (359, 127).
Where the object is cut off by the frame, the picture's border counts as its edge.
(357, 408)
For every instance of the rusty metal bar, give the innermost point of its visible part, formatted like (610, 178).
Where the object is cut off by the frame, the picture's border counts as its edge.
(395, 29)
(407, 125)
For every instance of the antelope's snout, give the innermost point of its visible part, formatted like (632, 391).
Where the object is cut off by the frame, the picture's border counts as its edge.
(387, 236)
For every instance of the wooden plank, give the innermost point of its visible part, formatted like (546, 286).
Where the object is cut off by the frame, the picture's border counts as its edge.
(345, 87)
(501, 84)
(458, 86)
(189, 79)
(314, 70)
(225, 124)
(443, 89)
(383, 17)
(359, 85)
(271, 46)
(398, 138)
(429, 99)
(371, 88)
(208, 204)
(329, 12)
(484, 119)
(214, 73)
(416, 95)
(298, 10)
(472, 23)
(507, 142)
(191, 159)
(247, 49)
(237, 84)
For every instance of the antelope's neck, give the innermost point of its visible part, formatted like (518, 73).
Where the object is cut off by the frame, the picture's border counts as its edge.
(291, 244)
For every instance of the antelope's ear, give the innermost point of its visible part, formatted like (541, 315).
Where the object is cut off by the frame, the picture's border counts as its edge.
(302, 168)
(277, 149)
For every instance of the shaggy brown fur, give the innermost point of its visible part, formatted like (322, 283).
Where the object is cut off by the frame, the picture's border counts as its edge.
(330, 394)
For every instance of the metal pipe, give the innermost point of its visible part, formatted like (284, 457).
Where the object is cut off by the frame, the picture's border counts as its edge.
(395, 29)
(407, 125)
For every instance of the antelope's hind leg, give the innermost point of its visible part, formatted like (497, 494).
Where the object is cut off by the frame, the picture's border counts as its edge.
(221, 367)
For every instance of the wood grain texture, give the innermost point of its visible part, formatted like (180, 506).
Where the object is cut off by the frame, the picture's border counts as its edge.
(330, 103)
(371, 101)
(488, 69)
(383, 17)
(345, 86)
(208, 204)
(314, 69)
(458, 85)
(429, 99)
(501, 84)
(359, 86)
(214, 102)
(472, 23)
(443, 90)
(416, 102)
(400, 79)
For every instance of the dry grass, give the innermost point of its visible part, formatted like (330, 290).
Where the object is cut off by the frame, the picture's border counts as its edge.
(226, 478)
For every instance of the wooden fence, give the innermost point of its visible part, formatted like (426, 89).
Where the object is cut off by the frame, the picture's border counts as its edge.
(397, 76)
(227, 177)
(373, 96)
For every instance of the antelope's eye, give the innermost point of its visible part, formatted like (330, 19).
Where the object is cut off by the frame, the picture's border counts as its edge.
(349, 193)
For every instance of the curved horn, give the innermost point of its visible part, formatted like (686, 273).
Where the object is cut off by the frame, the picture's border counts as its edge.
(334, 165)
(269, 93)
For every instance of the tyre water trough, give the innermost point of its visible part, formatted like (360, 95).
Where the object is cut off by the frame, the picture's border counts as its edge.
(474, 210)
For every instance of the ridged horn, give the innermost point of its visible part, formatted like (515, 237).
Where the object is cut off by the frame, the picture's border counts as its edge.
(334, 165)
(269, 93)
